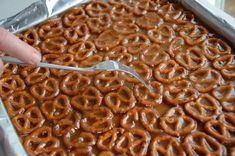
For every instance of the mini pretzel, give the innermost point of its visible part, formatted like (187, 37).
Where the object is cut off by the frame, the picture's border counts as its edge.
(225, 94)
(40, 141)
(192, 59)
(61, 72)
(125, 28)
(107, 40)
(54, 45)
(143, 6)
(176, 46)
(123, 143)
(82, 50)
(54, 152)
(204, 108)
(176, 123)
(154, 55)
(46, 90)
(180, 92)
(222, 128)
(34, 75)
(88, 99)
(30, 36)
(11, 84)
(226, 65)
(97, 8)
(74, 15)
(136, 43)
(121, 100)
(119, 54)
(108, 81)
(205, 79)
(142, 69)
(214, 48)
(166, 145)
(10, 69)
(18, 102)
(99, 24)
(67, 124)
(31, 120)
(149, 21)
(109, 153)
(200, 143)
(57, 108)
(169, 71)
(121, 12)
(186, 17)
(97, 120)
(75, 34)
(148, 98)
(82, 152)
(162, 35)
(51, 28)
(193, 35)
(73, 83)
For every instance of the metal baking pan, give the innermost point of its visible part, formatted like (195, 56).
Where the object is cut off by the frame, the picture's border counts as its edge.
(222, 23)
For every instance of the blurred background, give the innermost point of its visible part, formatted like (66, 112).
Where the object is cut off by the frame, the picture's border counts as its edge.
(229, 7)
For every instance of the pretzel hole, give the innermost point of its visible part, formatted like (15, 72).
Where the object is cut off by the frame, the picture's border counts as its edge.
(34, 145)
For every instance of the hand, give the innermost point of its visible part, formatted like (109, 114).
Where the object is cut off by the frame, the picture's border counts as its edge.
(14, 47)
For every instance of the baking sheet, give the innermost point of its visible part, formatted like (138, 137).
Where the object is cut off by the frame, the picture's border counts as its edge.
(44, 9)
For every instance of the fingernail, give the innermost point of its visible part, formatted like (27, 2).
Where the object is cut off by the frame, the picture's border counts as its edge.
(36, 58)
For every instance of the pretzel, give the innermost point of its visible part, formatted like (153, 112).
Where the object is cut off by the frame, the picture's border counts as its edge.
(73, 83)
(169, 71)
(143, 6)
(18, 102)
(97, 120)
(51, 28)
(214, 48)
(30, 36)
(180, 92)
(222, 128)
(78, 33)
(226, 65)
(65, 125)
(11, 84)
(57, 108)
(121, 100)
(123, 143)
(205, 79)
(121, 12)
(176, 46)
(200, 143)
(204, 108)
(73, 16)
(82, 50)
(109, 153)
(162, 35)
(142, 69)
(119, 54)
(166, 145)
(88, 99)
(154, 55)
(99, 24)
(31, 120)
(54, 152)
(76, 138)
(186, 17)
(193, 59)
(83, 152)
(193, 35)
(10, 69)
(125, 28)
(108, 81)
(149, 21)
(56, 45)
(97, 8)
(34, 75)
(225, 94)
(107, 40)
(46, 90)
(135, 43)
(148, 98)
(176, 123)
(40, 141)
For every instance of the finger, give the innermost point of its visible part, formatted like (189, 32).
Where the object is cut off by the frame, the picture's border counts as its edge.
(1, 67)
(13, 46)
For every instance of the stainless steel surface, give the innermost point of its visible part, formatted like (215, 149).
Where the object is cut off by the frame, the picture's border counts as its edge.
(103, 66)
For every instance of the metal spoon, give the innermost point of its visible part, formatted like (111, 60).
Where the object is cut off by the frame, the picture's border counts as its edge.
(103, 66)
